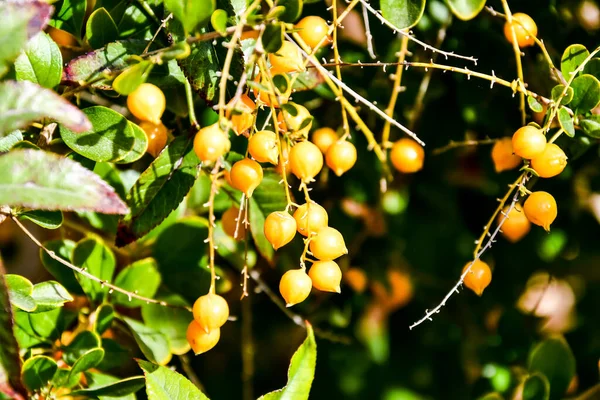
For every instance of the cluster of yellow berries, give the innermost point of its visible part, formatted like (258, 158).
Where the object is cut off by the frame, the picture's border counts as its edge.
(210, 314)
(147, 103)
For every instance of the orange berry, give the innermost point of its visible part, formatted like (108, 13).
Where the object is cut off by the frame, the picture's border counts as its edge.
(324, 138)
(540, 209)
(287, 59)
(478, 277)
(407, 156)
(157, 137)
(400, 291)
(306, 161)
(310, 218)
(295, 286)
(147, 103)
(294, 118)
(516, 225)
(356, 279)
(326, 276)
(340, 157)
(262, 146)
(230, 224)
(200, 340)
(550, 162)
(313, 30)
(250, 34)
(210, 311)
(528, 142)
(243, 118)
(525, 30)
(211, 142)
(271, 94)
(503, 157)
(280, 228)
(328, 244)
(246, 175)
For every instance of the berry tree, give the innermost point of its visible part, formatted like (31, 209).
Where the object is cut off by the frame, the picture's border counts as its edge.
(211, 188)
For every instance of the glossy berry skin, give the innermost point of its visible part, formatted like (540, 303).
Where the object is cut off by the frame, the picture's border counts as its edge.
(262, 146)
(540, 209)
(340, 157)
(551, 162)
(357, 279)
(210, 311)
(280, 228)
(503, 156)
(287, 59)
(306, 161)
(310, 218)
(324, 138)
(294, 118)
(242, 119)
(313, 30)
(245, 176)
(200, 340)
(157, 137)
(295, 286)
(229, 224)
(326, 276)
(516, 226)
(407, 156)
(147, 103)
(328, 244)
(478, 277)
(211, 143)
(528, 142)
(269, 96)
(525, 30)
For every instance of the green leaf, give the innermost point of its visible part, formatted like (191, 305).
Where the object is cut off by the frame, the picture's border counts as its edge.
(35, 328)
(64, 378)
(272, 38)
(88, 360)
(38, 371)
(152, 343)
(7, 142)
(44, 180)
(293, 10)
(466, 9)
(65, 275)
(307, 80)
(192, 14)
(24, 102)
(491, 396)
(119, 389)
(155, 315)
(572, 58)
(21, 21)
(269, 196)
(586, 93)
(132, 77)
(104, 318)
(536, 387)
(557, 92)
(593, 67)
(19, 292)
(10, 362)
(131, 20)
(140, 145)
(534, 105)
(591, 126)
(40, 62)
(116, 356)
(45, 219)
(97, 259)
(566, 121)
(181, 255)
(165, 384)
(101, 29)
(159, 190)
(110, 139)
(301, 372)
(403, 13)
(141, 277)
(553, 359)
(81, 344)
(70, 16)
(49, 295)
(218, 20)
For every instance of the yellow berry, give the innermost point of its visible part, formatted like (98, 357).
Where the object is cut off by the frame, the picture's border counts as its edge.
(280, 228)
(340, 157)
(326, 276)
(525, 30)
(230, 224)
(503, 156)
(516, 225)
(210, 143)
(313, 30)
(287, 59)
(262, 146)
(295, 286)
(157, 137)
(407, 156)
(310, 218)
(324, 138)
(294, 118)
(551, 162)
(246, 175)
(540, 209)
(147, 103)
(242, 119)
(328, 244)
(528, 142)
(200, 340)
(306, 161)
(210, 311)
(478, 277)
(273, 94)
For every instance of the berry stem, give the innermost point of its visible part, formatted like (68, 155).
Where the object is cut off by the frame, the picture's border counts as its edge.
(336, 57)
(211, 224)
(465, 143)
(385, 136)
(189, 97)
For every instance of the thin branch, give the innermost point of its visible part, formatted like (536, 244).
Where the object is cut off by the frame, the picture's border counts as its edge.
(385, 136)
(465, 143)
(83, 272)
(368, 32)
